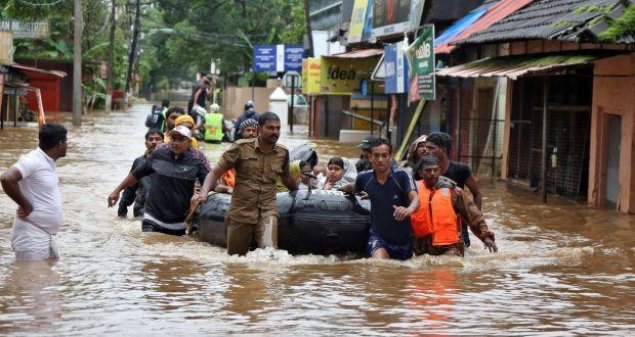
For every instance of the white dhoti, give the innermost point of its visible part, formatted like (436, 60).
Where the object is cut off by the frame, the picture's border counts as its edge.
(29, 242)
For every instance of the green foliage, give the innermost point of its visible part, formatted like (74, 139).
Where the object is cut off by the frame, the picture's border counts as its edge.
(593, 9)
(215, 29)
(622, 26)
(564, 24)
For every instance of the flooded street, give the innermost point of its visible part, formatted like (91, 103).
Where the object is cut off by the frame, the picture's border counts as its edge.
(562, 269)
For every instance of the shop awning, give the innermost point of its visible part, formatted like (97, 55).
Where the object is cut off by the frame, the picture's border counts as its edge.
(358, 54)
(55, 73)
(514, 67)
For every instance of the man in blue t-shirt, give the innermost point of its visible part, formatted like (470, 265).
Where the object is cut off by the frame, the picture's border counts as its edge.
(393, 198)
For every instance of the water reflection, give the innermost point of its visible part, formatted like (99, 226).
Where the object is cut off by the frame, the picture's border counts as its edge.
(30, 293)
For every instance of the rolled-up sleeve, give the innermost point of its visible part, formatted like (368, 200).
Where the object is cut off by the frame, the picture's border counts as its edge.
(230, 157)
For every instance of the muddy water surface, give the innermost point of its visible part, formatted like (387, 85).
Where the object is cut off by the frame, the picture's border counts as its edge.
(562, 269)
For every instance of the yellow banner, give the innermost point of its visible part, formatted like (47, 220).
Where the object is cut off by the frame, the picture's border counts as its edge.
(311, 76)
(358, 19)
(343, 76)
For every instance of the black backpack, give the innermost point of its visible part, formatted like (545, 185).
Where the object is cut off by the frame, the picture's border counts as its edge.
(155, 118)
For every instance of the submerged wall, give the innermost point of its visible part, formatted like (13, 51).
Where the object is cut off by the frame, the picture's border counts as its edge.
(613, 94)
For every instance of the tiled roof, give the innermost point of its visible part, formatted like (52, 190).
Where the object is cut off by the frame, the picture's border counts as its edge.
(567, 20)
(494, 14)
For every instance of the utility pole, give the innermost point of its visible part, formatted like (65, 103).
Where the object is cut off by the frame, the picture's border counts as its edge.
(133, 50)
(111, 57)
(77, 64)
(308, 28)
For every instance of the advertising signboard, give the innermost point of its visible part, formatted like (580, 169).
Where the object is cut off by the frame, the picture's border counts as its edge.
(358, 20)
(344, 76)
(391, 17)
(421, 52)
(311, 76)
(395, 70)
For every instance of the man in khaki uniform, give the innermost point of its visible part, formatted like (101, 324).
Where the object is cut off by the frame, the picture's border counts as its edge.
(258, 162)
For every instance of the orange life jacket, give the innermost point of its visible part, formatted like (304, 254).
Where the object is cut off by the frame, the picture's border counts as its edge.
(229, 178)
(443, 223)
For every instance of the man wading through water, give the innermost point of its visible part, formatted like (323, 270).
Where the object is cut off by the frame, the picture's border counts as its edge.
(258, 162)
(33, 184)
(445, 209)
(138, 192)
(439, 144)
(174, 169)
(393, 198)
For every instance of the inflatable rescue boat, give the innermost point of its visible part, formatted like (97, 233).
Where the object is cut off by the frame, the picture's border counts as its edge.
(311, 222)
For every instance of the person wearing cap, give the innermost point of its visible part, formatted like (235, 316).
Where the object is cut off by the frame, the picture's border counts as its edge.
(363, 164)
(175, 169)
(249, 129)
(439, 144)
(177, 114)
(227, 181)
(258, 162)
(249, 113)
(188, 122)
(415, 152)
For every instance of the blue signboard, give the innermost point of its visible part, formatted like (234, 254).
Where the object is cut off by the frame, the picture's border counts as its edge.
(278, 58)
(265, 58)
(293, 54)
(395, 69)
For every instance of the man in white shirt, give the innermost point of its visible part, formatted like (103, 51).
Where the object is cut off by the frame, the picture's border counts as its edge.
(33, 184)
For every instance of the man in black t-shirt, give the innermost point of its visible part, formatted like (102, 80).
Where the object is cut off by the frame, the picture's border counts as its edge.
(439, 144)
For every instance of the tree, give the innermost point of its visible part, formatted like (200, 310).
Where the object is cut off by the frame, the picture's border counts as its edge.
(183, 39)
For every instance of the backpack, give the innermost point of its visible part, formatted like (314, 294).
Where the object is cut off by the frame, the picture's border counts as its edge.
(155, 118)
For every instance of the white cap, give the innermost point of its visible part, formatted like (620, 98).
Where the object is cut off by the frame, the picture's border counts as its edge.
(183, 131)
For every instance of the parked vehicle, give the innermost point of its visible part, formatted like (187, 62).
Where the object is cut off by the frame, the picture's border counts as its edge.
(300, 109)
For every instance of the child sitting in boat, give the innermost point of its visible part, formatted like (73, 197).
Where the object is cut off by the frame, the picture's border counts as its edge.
(305, 177)
(335, 175)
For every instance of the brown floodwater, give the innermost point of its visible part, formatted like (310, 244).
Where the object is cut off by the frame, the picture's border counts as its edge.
(563, 269)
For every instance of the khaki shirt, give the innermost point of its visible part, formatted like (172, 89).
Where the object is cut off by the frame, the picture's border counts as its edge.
(256, 173)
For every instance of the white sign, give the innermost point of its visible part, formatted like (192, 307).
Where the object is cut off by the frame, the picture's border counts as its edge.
(26, 29)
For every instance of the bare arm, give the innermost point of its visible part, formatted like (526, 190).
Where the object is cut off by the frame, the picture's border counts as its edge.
(9, 180)
(348, 188)
(221, 188)
(211, 181)
(401, 212)
(114, 195)
(472, 184)
(198, 93)
(289, 182)
(465, 206)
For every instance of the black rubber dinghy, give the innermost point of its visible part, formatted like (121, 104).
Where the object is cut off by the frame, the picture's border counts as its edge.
(311, 222)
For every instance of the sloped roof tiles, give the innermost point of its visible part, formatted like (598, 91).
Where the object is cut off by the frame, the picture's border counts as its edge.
(567, 20)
